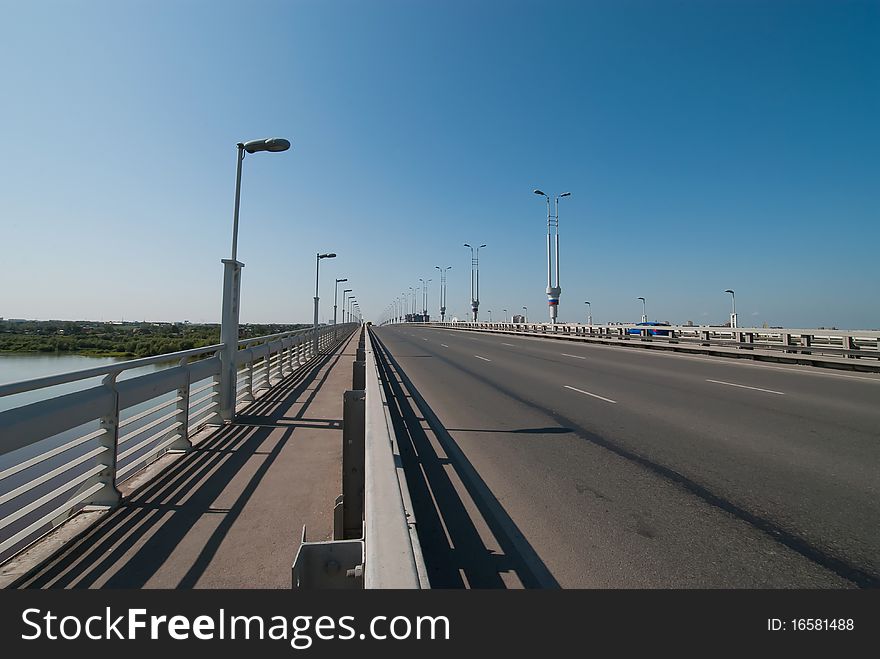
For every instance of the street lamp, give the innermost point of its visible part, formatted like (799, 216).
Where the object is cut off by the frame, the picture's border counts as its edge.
(644, 310)
(318, 258)
(273, 144)
(490, 315)
(475, 279)
(424, 298)
(732, 313)
(553, 290)
(526, 314)
(336, 297)
(232, 284)
(345, 293)
(589, 313)
(505, 314)
(442, 291)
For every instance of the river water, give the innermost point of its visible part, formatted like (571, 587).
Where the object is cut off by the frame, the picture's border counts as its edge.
(15, 367)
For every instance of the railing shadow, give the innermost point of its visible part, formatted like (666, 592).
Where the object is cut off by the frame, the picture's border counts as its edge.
(152, 522)
(455, 554)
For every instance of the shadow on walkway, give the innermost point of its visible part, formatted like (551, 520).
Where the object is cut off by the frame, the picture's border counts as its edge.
(161, 525)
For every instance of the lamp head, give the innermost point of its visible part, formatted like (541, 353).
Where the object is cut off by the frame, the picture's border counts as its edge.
(273, 144)
(536, 191)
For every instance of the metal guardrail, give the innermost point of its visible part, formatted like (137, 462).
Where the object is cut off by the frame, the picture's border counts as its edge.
(375, 541)
(857, 350)
(68, 452)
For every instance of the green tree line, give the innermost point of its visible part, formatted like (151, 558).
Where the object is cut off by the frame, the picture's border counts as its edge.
(117, 340)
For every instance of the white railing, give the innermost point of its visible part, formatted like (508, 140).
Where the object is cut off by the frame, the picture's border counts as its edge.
(69, 451)
(819, 346)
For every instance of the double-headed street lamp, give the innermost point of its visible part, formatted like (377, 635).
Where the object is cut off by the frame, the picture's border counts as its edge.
(318, 258)
(442, 291)
(424, 298)
(554, 290)
(526, 314)
(733, 312)
(589, 313)
(336, 297)
(644, 310)
(475, 279)
(345, 293)
(232, 284)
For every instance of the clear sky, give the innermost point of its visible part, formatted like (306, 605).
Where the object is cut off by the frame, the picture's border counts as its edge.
(707, 145)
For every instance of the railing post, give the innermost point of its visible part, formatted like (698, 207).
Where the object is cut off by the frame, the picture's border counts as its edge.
(229, 336)
(109, 495)
(786, 341)
(182, 443)
(806, 341)
(359, 374)
(250, 381)
(353, 457)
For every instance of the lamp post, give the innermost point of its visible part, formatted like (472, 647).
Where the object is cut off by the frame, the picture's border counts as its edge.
(490, 315)
(554, 290)
(442, 291)
(318, 258)
(589, 313)
(232, 284)
(475, 279)
(345, 293)
(733, 312)
(424, 298)
(644, 310)
(526, 314)
(336, 297)
(505, 314)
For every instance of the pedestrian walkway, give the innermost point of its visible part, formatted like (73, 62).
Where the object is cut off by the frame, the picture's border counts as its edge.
(230, 513)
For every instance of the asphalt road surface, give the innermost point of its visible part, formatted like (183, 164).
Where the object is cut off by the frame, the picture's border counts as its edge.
(543, 463)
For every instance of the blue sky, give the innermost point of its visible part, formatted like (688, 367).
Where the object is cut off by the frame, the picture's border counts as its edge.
(707, 145)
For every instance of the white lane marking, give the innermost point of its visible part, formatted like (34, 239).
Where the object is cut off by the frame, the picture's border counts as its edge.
(565, 354)
(581, 391)
(444, 345)
(424, 339)
(483, 358)
(509, 344)
(742, 386)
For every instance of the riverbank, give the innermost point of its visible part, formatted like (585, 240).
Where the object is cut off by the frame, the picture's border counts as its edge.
(119, 340)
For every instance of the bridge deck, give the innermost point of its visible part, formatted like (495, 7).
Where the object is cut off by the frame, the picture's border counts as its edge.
(228, 514)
